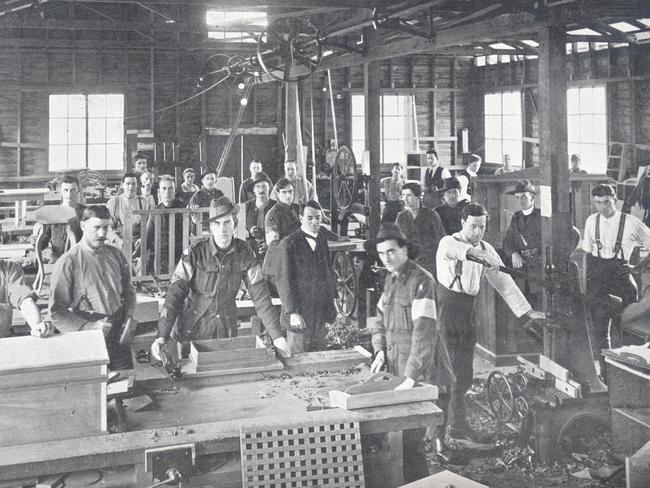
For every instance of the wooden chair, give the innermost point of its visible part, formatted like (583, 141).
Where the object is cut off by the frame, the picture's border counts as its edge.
(47, 216)
(227, 186)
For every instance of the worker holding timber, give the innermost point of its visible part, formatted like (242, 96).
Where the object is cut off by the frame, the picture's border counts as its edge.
(14, 293)
(610, 237)
(91, 287)
(405, 338)
(460, 280)
(200, 302)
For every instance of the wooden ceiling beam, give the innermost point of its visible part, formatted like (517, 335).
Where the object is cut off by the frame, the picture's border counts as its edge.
(224, 4)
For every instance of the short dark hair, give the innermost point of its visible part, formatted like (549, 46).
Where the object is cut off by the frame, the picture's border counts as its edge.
(95, 211)
(311, 204)
(603, 190)
(574, 158)
(129, 174)
(414, 187)
(71, 180)
(282, 183)
(396, 164)
(475, 158)
(473, 210)
(140, 156)
(434, 152)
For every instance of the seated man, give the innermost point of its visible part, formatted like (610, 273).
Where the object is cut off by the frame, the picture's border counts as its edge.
(149, 188)
(91, 287)
(14, 293)
(167, 196)
(119, 206)
(305, 281)
(56, 234)
(188, 185)
(208, 192)
(206, 281)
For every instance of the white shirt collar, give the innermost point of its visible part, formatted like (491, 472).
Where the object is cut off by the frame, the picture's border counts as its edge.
(471, 173)
(528, 211)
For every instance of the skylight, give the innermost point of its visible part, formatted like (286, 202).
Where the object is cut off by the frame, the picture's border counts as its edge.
(624, 27)
(530, 42)
(501, 45)
(584, 32)
(231, 25)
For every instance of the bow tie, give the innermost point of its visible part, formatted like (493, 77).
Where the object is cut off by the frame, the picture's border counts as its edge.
(309, 236)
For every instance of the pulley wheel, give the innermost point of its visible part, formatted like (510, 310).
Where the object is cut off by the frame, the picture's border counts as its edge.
(500, 397)
(347, 284)
(345, 178)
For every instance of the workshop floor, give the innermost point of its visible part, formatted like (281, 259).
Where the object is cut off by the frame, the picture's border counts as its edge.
(502, 463)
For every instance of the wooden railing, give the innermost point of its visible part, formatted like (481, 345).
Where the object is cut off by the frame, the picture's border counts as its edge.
(192, 223)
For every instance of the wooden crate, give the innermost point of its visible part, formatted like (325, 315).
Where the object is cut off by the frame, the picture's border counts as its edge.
(231, 353)
(52, 389)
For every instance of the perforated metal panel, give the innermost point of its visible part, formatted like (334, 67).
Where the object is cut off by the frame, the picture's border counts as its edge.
(290, 456)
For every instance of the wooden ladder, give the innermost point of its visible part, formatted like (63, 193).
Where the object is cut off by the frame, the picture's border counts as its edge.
(617, 161)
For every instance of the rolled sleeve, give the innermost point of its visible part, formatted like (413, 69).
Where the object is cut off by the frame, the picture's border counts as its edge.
(507, 288)
(17, 290)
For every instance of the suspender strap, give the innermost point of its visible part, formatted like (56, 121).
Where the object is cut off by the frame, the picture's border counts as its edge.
(458, 271)
(619, 236)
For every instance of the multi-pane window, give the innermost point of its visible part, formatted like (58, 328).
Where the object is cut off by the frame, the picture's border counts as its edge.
(224, 24)
(86, 132)
(503, 127)
(397, 127)
(587, 126)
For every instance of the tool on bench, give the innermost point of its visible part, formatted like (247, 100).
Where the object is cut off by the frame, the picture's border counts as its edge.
(166, 361)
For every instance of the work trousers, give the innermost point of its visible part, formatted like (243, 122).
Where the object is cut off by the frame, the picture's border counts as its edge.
(119, 355)
(607, 277)
(455, 320)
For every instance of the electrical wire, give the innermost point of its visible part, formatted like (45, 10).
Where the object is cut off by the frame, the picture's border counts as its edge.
(180, 102)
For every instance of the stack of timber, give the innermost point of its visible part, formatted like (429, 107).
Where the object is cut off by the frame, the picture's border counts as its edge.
(235, 353)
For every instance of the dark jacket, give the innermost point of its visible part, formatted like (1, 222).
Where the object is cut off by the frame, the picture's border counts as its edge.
(305, 279)
(524, 235)
(246, 190)
(203, 290)
(164, 238)
(425, 231)
(256, 218)
(57, 236)
(283, 220)
(451, 216)
(203, 197)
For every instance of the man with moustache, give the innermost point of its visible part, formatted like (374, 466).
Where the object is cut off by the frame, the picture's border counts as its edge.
(200, 301)
(459, 281)
(305, 282)
(421, 226)
(91, 287)
(168, 200)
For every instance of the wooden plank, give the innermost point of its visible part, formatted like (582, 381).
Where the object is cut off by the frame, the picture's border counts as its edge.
(346, 401)
(171, 245)
(157, 222)
(571, 388)
(637, 468)
(555, 369)
(532, 369)
(444, 479)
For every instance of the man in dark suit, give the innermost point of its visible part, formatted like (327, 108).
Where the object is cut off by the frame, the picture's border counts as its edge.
(451, 209)
(305, 281)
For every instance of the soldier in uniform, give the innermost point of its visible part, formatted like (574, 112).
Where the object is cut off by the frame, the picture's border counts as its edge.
(200, 302)
(405, 338)
(523, 240)
(256, 211)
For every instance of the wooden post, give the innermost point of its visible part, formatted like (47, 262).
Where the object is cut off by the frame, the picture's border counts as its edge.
(371, 87)
(553, 141)
(290, 122)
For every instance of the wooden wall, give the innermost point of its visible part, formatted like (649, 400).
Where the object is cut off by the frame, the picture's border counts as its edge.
(624, 70)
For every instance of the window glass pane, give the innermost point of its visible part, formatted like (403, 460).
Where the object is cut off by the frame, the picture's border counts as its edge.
(58, 157)
(390, 105)
(58, 131)
(514, 149)
(392, 127)
(573, 128)
(76, 131)
(599, 100)
(58, 106)
(493, 151)
(586, 100)
(76, 156)
(512, 127)
(76, 106)
(114, 131)
(115, 156)
(393, 151)
(357, 149)
(573, 101)
(512, 103)
(492, 127)
(492, 104)
(96, 131)
(115, 106)
(358, 108)
(97, 156)
(96, 106)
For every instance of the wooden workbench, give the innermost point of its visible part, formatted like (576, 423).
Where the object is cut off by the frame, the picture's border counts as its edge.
(210, 417)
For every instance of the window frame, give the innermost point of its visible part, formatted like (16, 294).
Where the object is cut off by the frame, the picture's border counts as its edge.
(578, 146)
(517, 160)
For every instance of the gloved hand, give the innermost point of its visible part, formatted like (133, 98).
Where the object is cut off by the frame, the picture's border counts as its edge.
(282, 347)
(155, 347)
(406, 384)
(378, 363)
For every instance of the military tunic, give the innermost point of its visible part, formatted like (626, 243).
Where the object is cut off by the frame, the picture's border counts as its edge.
(203, 290)
(425, 231)
(282, 219)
